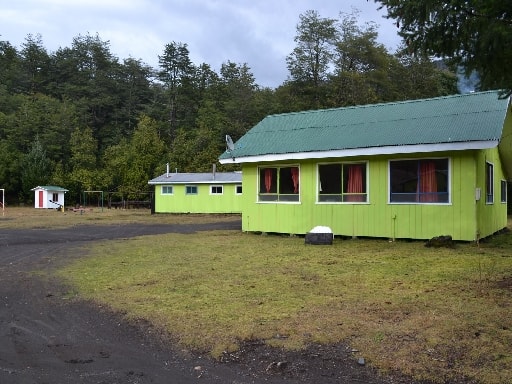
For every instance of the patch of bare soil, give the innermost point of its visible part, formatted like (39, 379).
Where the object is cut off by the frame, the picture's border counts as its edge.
(505, 283)
(47, 338)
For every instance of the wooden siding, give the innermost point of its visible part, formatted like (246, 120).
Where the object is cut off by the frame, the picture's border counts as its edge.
(202, 202)
(379, 218)
(491, 217)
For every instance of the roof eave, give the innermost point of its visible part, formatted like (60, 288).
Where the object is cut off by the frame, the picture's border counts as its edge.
(160, 182)
(373, 151)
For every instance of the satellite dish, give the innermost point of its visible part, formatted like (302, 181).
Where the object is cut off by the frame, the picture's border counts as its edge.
(229, 143)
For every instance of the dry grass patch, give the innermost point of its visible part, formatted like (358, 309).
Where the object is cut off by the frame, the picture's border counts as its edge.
(50, 218)
(430, 313)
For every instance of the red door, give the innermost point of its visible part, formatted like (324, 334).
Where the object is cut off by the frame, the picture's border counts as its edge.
(40, 205)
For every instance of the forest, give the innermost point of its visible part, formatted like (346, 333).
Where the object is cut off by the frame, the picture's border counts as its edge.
(83, 119)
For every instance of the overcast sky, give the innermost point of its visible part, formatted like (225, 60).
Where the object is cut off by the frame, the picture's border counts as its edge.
(257, 32)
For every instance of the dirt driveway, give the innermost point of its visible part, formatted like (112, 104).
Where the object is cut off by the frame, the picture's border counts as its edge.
(47, 338)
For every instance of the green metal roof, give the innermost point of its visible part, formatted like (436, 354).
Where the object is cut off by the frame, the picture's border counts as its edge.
(473, 117)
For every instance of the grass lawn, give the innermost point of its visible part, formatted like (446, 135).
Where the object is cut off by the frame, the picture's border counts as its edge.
(431, 313)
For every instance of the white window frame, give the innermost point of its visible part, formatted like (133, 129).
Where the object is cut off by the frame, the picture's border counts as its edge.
(489, 183)
(238, 189)
(278, 200)
(503, 191)
(449, 181)
(191, 193)
(342, 163)
(163, 192)
(213, 187)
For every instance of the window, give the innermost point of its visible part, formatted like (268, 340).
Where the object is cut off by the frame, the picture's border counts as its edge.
(216, 190)
(167, 190)
(55, 197)
(279, 184)
(503, 191)
(489, 183)
(342, 183)
(191, 190)
(419, 181)
(238, 189)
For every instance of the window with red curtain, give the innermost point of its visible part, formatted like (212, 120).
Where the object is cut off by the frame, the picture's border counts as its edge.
(279, 183)
(268, 180)
(342, 182)
(419, 181)
(295, 179)
(355, 186)
(427, 182)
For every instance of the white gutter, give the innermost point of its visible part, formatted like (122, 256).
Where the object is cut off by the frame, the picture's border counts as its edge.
(387, 150)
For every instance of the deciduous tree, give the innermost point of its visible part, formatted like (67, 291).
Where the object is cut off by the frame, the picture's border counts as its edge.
(309, 63)
(146, 154)
(84, 174)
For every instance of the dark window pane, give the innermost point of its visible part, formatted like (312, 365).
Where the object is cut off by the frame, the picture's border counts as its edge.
(330, 179)
(285, 181)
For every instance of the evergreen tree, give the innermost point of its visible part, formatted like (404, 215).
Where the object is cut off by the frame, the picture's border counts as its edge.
(36, 169)
(10, 68)
(35, 65)
(476, 35)
(175, 72)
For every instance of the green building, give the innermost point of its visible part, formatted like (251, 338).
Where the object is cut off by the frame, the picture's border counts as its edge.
(215, 192)
(415, 169)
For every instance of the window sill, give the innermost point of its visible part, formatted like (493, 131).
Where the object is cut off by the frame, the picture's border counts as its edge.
(417, 203)
(342, 202)
(278, 202)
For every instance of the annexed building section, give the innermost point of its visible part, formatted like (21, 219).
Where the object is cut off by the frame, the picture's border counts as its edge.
(215, 192)
(414, 169)
(49, 196)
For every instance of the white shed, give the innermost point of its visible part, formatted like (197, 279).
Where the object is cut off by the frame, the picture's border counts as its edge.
(49, 196)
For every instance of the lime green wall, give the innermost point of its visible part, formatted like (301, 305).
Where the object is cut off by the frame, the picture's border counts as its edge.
(203, 202)
(378, 218)
(490, 216)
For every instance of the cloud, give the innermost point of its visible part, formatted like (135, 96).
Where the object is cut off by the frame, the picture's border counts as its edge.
(256, 32)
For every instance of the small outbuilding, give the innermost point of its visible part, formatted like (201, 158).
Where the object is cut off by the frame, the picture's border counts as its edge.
(49, 196)
(215, 192)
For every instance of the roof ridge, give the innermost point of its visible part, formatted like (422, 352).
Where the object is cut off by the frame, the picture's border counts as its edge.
(341, 124)
(401, 102)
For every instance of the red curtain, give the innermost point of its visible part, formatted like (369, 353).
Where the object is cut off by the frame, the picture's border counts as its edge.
(427, 182)
(295, 179)
(268, 179)
(355, 183)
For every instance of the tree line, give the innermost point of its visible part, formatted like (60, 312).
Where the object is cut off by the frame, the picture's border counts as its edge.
(83, 119)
